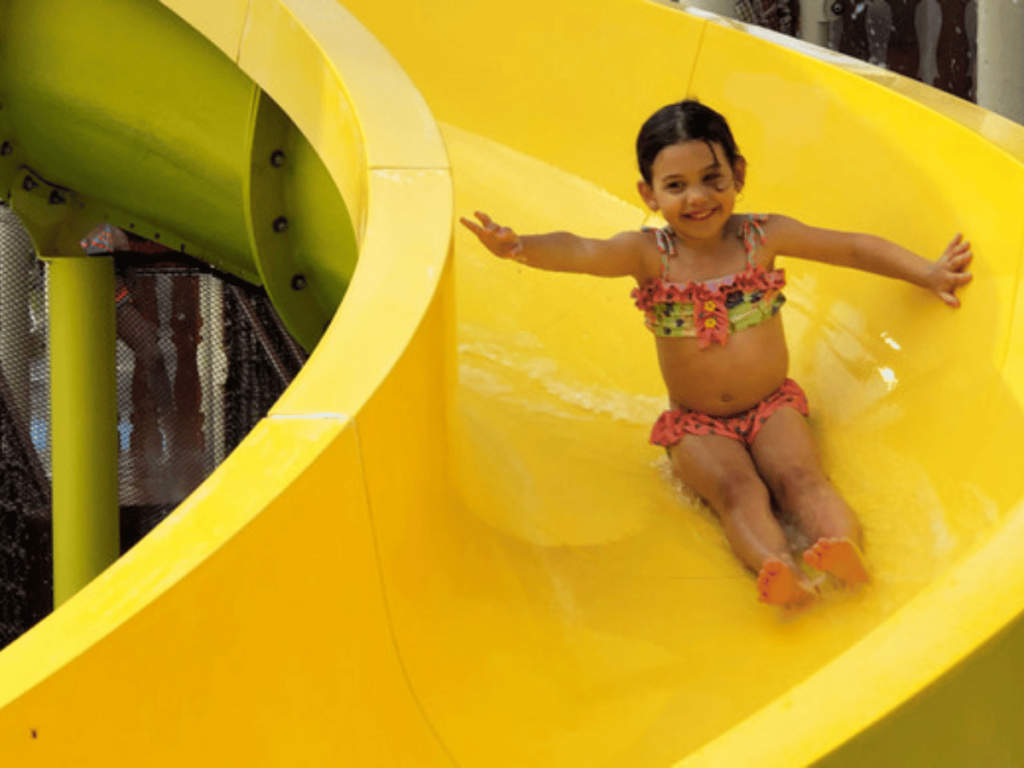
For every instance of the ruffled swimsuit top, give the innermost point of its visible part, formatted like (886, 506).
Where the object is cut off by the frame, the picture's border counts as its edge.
(713, 309)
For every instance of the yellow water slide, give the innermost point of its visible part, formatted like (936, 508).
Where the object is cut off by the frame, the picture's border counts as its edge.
(449, 544)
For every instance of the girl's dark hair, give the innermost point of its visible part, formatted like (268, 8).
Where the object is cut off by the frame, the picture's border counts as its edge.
(687, 120)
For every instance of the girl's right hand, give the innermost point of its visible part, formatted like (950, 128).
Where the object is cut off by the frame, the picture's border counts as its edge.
(499, 240)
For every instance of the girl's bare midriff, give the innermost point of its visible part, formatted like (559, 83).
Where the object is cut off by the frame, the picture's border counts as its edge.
(724, 379)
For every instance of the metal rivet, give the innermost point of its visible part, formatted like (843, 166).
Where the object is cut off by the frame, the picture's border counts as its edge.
(281, 224)
(277, 158)
(298, 282)
(6, 148)
(29, 184)
(837, 9)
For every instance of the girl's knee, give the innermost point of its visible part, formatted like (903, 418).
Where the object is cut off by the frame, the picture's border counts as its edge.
(810, 495)
(799, 483)
(740, 490)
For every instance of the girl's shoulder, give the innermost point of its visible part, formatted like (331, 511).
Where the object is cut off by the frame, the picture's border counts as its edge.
(641, 242)
(647, 242)
(763, 232)
(775, 222)
(648, 234)
(743, 222)
(754, 234)
(781, 231)
(651, 246)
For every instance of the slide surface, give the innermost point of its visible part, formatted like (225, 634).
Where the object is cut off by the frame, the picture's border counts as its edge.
(449, 543)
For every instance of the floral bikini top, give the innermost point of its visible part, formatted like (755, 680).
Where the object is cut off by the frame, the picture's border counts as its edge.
(711, 310)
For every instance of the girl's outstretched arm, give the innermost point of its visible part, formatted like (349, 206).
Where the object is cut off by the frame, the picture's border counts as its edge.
(619, 256)
(869, 253)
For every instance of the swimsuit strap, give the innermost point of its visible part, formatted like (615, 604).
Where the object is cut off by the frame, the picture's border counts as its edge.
(666, 247)
(752, 234)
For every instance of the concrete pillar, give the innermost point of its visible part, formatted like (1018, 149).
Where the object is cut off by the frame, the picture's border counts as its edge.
(814, 21)
(721, 7)
(213, 371)
(813, 16)
(1001, 57)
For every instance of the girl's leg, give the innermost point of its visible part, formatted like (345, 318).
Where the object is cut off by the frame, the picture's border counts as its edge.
(722, 472)
(787, 458)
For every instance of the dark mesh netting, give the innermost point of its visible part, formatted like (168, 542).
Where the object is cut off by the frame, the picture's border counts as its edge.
(201, 358)
(780, 15)
(26, 572)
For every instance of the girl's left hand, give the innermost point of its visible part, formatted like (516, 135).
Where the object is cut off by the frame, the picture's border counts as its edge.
(947, 274)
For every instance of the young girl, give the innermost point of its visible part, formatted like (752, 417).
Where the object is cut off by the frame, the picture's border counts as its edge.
(710, 291)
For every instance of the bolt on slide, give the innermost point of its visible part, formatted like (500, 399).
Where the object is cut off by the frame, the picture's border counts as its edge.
(449, 543)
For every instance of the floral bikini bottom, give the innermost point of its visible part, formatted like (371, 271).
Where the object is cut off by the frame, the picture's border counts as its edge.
(673, 424)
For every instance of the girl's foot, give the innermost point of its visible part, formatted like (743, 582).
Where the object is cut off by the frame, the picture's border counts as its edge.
(777, 584)
(840, 557)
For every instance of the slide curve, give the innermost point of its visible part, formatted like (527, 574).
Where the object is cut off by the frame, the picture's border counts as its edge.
(448, 544)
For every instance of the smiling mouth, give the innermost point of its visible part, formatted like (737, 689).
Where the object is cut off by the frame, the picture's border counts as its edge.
(701, 216)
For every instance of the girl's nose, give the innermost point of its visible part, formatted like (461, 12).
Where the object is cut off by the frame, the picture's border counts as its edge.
(694, 196)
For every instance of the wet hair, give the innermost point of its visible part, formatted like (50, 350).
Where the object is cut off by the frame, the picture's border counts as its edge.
(687, 120)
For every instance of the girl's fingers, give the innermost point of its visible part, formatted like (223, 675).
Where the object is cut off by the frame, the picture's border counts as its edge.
(962, 278)
(956, 261)
(957, 246)
(949, 299)
(499, 240)
(488, 228)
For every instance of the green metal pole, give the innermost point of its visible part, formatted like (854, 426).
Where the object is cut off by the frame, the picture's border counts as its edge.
(83, 397)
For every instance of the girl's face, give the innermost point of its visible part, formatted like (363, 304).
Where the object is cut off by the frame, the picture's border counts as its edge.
(694, 188)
